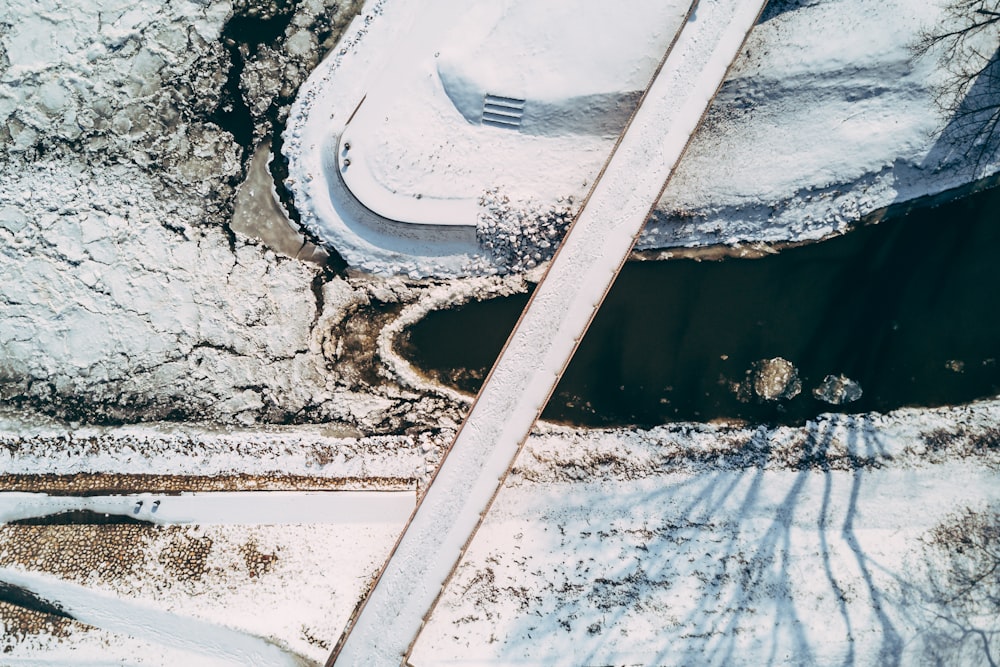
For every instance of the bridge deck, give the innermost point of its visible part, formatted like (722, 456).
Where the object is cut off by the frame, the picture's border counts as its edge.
(385, 627)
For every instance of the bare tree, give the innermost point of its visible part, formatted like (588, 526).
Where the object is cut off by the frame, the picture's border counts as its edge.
(968, 44)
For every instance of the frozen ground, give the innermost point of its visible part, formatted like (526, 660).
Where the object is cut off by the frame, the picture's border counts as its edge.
(271, 508)
(740, 567)
(224, 573)
(202, 595)
(126, 298)
(185, 451)
(828, 115)
(838, 543)
(757, 545)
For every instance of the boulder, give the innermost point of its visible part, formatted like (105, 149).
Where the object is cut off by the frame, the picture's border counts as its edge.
(774, 379)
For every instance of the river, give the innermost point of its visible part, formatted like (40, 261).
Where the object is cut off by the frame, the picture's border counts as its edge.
(907, 308)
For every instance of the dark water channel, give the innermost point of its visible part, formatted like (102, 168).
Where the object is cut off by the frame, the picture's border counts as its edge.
(908, 308)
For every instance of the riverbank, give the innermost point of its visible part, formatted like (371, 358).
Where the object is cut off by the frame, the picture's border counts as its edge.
(708, 526)
(165, 351)
(819, 127)
(895, 308)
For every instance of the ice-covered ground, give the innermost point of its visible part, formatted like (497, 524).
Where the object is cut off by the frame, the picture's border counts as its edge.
(125, 298)
(122, 288)
(222, 570)
(748, 545)
(821, 545)
(321, 452)
(828, 115)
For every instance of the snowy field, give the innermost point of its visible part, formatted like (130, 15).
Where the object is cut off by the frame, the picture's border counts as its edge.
(202, 595)
(746, 567)
(152, 330)
(747, 545)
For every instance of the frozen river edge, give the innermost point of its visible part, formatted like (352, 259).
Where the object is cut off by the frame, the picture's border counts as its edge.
(127, 298)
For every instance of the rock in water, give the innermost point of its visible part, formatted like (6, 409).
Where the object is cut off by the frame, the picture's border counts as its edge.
(837, 390)
(776, 379)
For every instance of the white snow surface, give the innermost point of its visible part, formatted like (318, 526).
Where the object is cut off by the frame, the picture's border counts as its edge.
(113, 288)
(287, 613)
(544, 339)
(209, 642)
(560, 56)
(411, 162)
(267, 508)
(648, 502)
(120, 288)
(827, 116)
(732, 567)
(101, 298)
(38, 447)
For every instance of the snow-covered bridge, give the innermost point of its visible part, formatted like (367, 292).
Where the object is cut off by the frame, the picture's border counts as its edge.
(386, 626)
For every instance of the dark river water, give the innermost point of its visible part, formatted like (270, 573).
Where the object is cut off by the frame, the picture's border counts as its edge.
(907, 308)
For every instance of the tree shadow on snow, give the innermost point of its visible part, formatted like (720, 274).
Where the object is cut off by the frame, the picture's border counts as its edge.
(724, 568)
(972, 134)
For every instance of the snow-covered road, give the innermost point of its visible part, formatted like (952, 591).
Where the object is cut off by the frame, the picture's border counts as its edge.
(223, 508)
(547, 334)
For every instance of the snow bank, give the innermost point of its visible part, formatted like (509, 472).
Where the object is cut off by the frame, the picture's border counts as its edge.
(422, 161)
(319, 452)
(912, 438)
